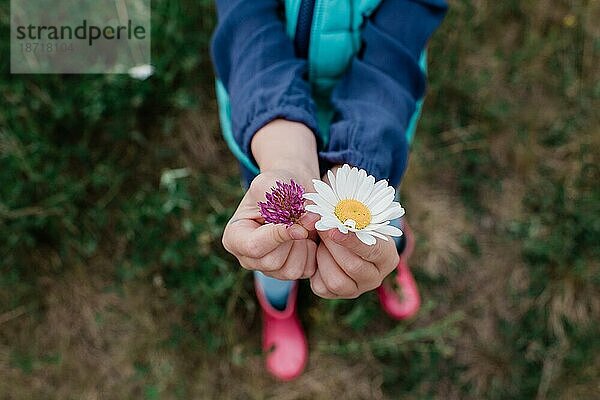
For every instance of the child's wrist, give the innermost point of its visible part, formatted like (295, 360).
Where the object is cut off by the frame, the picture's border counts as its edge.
(297, 169)
(286, 145)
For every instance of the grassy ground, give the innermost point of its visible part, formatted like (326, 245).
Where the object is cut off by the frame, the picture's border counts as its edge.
(114, 285)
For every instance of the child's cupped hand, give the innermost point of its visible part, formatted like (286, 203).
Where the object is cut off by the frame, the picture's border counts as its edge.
(346, 267)
(277, 250)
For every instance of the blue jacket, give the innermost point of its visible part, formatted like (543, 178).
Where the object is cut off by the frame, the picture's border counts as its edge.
(373, 101)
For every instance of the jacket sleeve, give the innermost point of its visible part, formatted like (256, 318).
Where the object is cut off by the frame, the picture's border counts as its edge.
(254, 59)
(376, 97)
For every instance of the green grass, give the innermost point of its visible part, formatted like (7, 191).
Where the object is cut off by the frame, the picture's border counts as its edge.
(114, 194)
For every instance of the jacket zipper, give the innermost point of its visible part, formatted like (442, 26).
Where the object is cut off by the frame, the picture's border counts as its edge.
(303, 27)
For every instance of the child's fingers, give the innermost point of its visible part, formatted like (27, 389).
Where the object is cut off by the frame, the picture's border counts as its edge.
(272, 261)
(293, 267)
(318, 287)
(250, 239)
(234, 228)
(311, 259)
(335, 279)
(308, 221)
(366, 275)
(377, 253)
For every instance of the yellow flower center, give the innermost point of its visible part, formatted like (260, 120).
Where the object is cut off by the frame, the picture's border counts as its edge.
(354, 210)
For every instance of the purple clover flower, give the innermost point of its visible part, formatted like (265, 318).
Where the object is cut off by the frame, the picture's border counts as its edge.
(284, 204)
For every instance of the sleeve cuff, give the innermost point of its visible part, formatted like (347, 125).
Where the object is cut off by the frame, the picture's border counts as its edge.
(374, 155)
(354, 158)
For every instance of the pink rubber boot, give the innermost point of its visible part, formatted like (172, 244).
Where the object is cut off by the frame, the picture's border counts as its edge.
(407, 303)
(283, 338)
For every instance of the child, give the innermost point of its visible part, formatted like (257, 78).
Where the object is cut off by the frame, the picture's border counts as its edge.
(305, 86)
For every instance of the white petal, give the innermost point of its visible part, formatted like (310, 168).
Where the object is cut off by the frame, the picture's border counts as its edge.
(376, 197)
(320, 225)
(331, 177)
(324, 224)
(382, 204)
(379, 186)
(361, 176)
(340, 182)
(374, 227)
(350, 224)
(379, 235)
(394, 211)
(347, 184)
(365, 189)
(352, 183)
(319, 210)
(318, 200)
(343, 229)
(326, 192)
(331, 221)
(328, 222)
(356, 182)
(366, 238)
(390, 230)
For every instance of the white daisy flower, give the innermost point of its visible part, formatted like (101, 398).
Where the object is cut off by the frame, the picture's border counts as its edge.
(353, 202)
